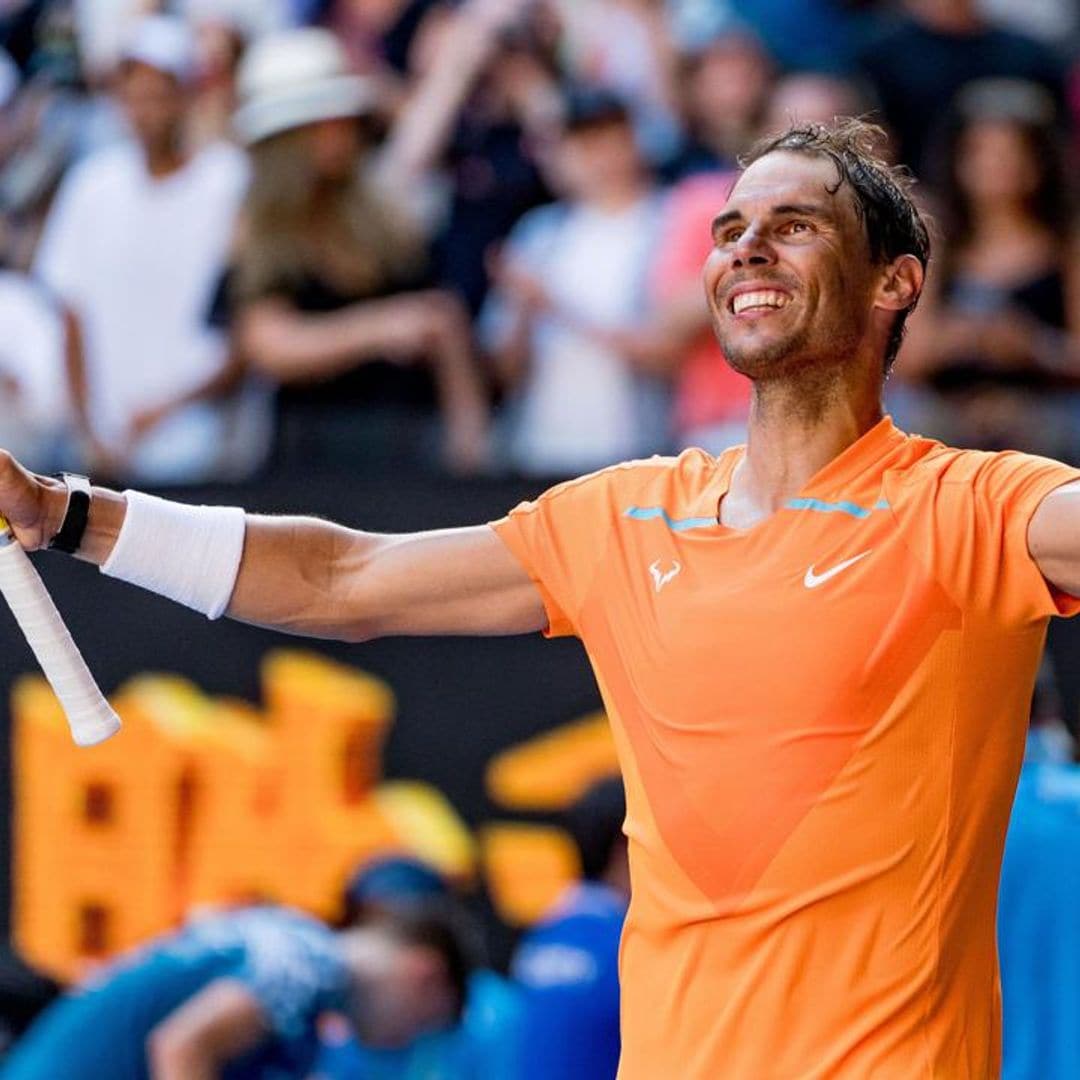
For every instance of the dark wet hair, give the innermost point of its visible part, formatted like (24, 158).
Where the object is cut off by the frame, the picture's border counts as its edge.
(445, 928)
(883, 193)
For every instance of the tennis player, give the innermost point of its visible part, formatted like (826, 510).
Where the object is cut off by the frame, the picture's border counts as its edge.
(817, 651)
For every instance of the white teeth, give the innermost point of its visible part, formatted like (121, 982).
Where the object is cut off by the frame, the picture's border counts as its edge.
(764, 299)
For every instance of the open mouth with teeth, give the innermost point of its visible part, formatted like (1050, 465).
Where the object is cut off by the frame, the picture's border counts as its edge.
(760, 302)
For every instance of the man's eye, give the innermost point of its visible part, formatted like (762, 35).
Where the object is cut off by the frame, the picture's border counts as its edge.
(732, 235)
(797, 226)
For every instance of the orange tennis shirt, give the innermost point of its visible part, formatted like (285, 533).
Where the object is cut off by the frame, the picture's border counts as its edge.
(820, 723)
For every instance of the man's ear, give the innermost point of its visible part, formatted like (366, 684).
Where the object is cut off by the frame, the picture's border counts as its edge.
(901, 285)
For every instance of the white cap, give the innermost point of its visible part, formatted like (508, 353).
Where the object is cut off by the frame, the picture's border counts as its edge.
(162, 42)
(294, 78)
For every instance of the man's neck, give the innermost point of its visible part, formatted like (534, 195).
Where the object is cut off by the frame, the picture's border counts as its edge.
(163, 161)
(617, 198)
(795, 431)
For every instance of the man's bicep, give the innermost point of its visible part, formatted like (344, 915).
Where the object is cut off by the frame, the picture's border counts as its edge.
(453, 581)
(1054, 538)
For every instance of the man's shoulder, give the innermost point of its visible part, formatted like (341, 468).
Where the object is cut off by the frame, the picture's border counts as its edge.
(541, 219)
(101, 171)
(929, 473)
(926, 461)
(640, 476)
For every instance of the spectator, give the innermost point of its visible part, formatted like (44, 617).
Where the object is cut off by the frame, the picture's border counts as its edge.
(377, 33)
(1038, 932)
(570, 285)
(997, 334)
(391, 883)
(132, 249)
(239, 994)
(953, 46)
(806, 97)
(567, 965)
(220, 44)
(498, 92)
(327, 292)
(485, 1042)
(624, 48)
(725, 77)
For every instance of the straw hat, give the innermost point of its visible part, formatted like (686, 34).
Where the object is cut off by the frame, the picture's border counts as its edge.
(294, 78)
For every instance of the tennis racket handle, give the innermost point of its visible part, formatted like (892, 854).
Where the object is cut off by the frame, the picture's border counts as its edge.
(90, 716)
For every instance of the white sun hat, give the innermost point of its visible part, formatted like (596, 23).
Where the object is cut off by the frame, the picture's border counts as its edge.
(294, 78)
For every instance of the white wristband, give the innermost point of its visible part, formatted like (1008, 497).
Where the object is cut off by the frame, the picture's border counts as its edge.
(191, 554)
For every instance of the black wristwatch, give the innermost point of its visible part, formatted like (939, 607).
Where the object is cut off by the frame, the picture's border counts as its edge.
(76, 515)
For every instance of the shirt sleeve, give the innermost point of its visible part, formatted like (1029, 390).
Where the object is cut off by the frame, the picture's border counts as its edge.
(560, 539)
(968, 515)
(293, 970)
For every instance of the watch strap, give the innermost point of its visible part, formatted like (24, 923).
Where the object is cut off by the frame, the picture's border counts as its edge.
(70, 534)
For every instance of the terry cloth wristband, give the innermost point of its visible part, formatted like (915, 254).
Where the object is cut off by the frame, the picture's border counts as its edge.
(191, 554)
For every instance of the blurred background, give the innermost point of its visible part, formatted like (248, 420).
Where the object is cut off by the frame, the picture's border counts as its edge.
(405, 263)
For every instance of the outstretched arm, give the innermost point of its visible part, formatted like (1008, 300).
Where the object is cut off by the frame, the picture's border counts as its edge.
(312, 577)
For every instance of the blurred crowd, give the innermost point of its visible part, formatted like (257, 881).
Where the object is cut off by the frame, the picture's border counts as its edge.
(466, 235)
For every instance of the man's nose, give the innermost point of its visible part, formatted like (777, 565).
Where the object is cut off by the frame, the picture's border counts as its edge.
(751, 249)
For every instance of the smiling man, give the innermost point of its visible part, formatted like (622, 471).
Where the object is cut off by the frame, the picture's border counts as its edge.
(817, 651)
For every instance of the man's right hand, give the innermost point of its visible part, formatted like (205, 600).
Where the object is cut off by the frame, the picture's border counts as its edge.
(32, 505)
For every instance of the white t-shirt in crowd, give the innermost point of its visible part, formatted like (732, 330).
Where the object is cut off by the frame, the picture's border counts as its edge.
(138, 259)
(33, 390)
(582, 405)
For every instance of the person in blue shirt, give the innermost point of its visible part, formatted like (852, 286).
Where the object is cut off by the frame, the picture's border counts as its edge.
(237, 995)
(568, 965)
(1038, 928)
(483, 1045)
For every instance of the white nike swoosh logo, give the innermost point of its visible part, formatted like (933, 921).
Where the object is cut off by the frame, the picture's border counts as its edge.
(812, 580)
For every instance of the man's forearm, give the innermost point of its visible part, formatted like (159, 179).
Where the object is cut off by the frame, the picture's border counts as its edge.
(107, 511)
(287, 572)
(293, 577)
(170, 1061)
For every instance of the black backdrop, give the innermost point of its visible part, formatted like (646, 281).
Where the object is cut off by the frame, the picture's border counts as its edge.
(459, 700)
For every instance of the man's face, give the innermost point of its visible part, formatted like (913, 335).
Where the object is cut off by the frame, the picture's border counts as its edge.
(789, 281)
(409, 996)
(154, 105)
(594, 159)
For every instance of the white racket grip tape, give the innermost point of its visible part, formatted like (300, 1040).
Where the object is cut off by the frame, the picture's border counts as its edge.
(90, 716)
